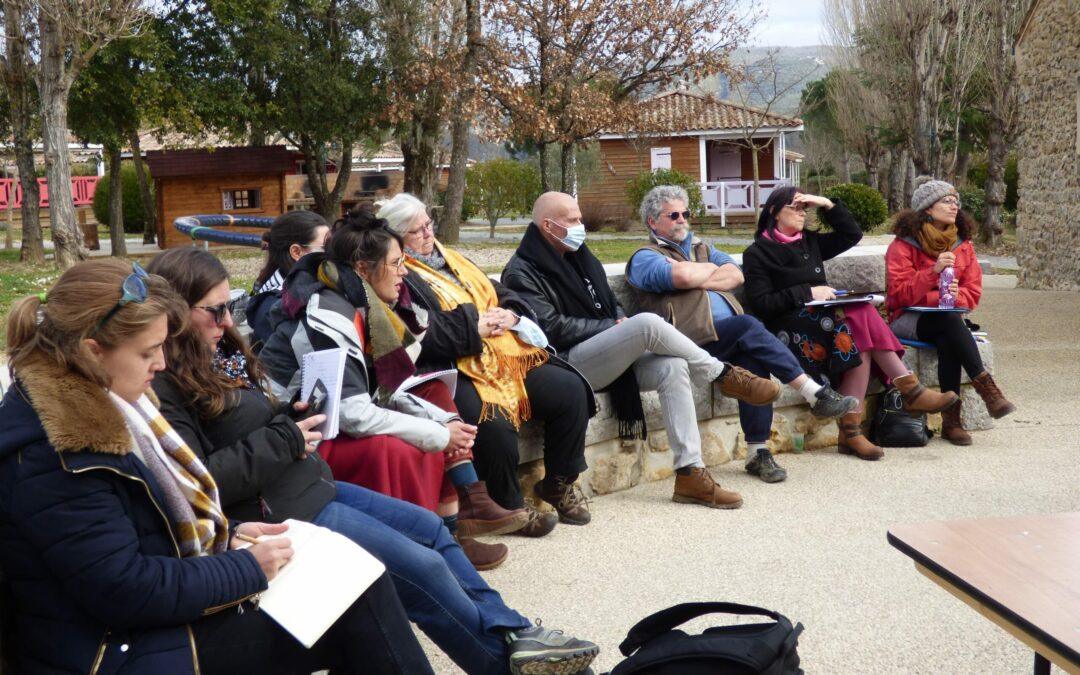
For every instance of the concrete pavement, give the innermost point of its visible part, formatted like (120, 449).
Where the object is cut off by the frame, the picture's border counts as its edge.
(814, 547)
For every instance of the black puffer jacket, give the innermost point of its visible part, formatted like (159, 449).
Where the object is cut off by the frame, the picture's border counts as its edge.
(255, 456)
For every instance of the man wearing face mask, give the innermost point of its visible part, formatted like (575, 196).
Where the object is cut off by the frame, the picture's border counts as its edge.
(554, 271)
(688, 282)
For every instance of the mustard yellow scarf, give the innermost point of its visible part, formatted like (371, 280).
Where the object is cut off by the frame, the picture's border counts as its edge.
(499, 371)
(935, 241)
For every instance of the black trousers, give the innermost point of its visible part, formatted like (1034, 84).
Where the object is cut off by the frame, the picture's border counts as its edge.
(558, 398)
(372, 636)
(956, 347)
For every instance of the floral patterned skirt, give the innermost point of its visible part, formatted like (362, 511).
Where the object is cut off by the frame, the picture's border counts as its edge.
(821, 340)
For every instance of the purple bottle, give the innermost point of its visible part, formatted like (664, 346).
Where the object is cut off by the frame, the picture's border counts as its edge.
(946, 299)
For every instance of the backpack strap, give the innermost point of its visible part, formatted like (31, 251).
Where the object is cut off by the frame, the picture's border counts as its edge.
(661, 622)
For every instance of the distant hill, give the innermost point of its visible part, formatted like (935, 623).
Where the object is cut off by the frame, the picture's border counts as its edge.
(795, 64)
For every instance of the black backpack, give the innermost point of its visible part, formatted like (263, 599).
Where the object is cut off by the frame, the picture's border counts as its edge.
(894, 427)
(655, 647)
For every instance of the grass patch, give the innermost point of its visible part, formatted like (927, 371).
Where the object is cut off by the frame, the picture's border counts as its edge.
(19, 279)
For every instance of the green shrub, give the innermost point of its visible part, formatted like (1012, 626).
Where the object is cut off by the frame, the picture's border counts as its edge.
(973, 201)
(500, 187)
(865, 203)
(636, 188)
(134, 215)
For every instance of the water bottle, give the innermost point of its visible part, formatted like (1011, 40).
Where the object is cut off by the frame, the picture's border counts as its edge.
(946, 299)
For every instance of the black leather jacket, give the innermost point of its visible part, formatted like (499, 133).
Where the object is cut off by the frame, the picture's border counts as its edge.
(563, 330)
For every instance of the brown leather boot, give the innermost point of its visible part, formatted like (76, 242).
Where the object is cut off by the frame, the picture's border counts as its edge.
(919, 399)
(478, 514)
(483, 556)
(566, 496)
(952, 429)
(996, 404)
(741, 384)
(539, 524)
(851, 441)
(698, 487)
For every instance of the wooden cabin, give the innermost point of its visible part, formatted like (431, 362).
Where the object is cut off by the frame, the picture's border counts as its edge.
(246, 181)
(702, 137)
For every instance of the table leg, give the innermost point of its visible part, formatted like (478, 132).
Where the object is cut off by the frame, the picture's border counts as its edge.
(1042, 665)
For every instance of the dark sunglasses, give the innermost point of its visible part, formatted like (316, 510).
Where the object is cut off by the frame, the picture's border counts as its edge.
(218, 311)
(133, 289)
(674, 215)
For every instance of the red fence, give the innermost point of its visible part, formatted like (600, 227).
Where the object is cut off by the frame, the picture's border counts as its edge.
(82, 189)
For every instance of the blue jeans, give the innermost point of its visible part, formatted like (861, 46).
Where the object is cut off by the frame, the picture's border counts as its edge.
(744, 341)
(440, 589)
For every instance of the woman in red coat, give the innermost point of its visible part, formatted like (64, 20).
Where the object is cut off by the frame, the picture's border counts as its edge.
(933, 235)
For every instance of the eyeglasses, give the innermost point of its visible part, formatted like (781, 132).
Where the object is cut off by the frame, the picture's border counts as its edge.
(674, 215)
(951, 201)
(132, 289)
(218, 311)
(396, 266)
(429, 226)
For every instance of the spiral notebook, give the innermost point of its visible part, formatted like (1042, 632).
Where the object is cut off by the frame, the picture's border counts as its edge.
(324, 370)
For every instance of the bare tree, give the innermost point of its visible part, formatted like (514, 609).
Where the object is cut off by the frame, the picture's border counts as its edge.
(16, 69)
(761, 84)
(860, 115)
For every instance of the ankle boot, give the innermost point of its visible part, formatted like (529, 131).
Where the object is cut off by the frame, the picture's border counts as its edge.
(919, 399)
(996, 404)
(952, 429)
(478, 514)
(483, 556)
(851, 441)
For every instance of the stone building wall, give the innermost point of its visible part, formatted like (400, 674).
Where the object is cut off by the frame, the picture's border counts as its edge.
(1048, 224)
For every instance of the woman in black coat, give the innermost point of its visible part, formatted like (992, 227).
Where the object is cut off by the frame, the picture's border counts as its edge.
(107, 572)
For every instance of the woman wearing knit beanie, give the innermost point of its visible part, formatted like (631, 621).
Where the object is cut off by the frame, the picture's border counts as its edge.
(933, 235)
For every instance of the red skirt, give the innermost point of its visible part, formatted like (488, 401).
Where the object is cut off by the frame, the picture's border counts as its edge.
(391, 466)
(869, 330)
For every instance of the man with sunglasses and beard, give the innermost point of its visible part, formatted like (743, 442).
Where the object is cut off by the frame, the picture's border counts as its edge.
(564, 283)
(688, 282)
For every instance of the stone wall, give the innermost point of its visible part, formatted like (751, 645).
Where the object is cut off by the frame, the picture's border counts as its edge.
(615, 464)
(1048, 227)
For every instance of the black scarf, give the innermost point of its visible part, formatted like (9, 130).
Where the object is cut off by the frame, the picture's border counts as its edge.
(580, 282)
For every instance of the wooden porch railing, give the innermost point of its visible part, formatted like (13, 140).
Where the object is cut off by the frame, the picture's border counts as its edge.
(82, 189)
(734, 196)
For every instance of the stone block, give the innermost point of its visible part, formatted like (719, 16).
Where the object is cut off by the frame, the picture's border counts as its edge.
(718, 438)
(613, 465)
(973, 413)
(924, 363)
(856, 272)
(818, 434)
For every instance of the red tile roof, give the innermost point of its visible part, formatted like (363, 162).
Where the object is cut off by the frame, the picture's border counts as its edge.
(680, 111)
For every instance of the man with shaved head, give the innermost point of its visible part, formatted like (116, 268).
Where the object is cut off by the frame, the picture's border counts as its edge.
(554, 271)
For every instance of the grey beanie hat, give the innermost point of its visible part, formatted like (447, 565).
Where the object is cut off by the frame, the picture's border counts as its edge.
(928, 191)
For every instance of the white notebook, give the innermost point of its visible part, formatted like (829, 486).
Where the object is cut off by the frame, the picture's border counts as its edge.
(325, 576)
(447, 377)
(325, 367)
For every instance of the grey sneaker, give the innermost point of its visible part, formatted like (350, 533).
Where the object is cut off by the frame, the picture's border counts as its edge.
(541, 651)
(765, 467)
(831, 404)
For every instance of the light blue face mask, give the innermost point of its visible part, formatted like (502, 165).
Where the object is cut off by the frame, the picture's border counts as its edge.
(575, 235)
(530, 333)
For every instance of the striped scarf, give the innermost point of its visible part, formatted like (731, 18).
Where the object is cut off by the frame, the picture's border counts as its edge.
(191, 496)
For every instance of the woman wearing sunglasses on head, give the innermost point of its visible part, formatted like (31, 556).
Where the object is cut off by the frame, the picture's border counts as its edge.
(932, 237)
(785, 269)
(112, 533)
(267, 468)
(291, 236)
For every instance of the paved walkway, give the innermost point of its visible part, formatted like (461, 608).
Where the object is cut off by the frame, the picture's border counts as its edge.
(814, 547)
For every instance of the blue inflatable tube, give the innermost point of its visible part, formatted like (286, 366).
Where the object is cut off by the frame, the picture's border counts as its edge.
(202, 228)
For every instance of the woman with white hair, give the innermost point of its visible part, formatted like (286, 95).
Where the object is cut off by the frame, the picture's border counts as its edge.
(506, 375)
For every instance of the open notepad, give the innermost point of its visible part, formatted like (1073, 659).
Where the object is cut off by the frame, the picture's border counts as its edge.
(447, 377)
(326, 369)
(872, 298)
(325, 576)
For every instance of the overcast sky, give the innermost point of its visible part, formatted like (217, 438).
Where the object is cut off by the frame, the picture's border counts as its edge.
(790, 23)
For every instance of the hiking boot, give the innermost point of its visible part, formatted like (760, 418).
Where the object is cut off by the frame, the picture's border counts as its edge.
(996, 404)
(483, 556)
(698, 487)
(741, 384)
(764, 466)
(541, 651)
(919, 399)
(539, 524)
(830, 403)
(478, 514)
(851, 441)
(952, 429)
(567, 498)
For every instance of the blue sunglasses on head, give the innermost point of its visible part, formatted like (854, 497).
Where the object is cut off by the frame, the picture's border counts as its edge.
(133, 290)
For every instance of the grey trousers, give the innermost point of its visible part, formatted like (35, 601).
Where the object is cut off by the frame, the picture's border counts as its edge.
(664, 361)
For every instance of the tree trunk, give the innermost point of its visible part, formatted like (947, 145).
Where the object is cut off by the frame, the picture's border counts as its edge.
(846, 162)
(418, 149)
(897, 178)
(450, 219)
(145, 193)
(492, 222)
(327, 200)
(54, 83)
(20, 94)
(910, 175)
(116, 201)
(567, 168)
(754, 196)
(545, 184)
